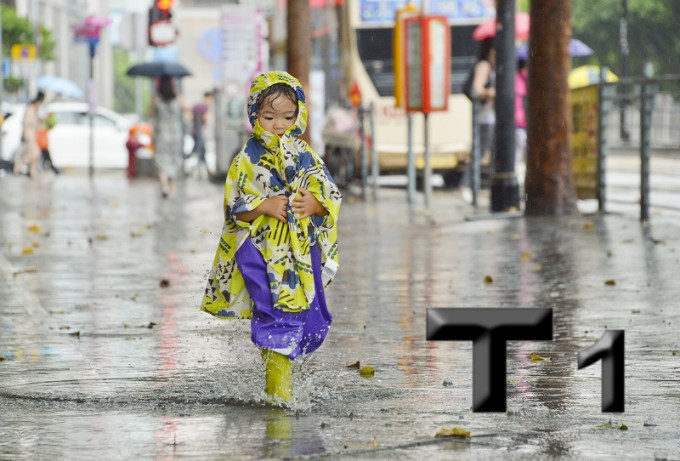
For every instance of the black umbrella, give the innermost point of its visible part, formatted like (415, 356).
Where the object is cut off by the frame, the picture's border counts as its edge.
(158, 69)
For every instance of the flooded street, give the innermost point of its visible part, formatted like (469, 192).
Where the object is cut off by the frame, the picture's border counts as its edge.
(104, 352)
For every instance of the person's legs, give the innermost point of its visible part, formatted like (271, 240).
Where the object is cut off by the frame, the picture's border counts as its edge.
(165, 184)
(282, 336)
(20, 158)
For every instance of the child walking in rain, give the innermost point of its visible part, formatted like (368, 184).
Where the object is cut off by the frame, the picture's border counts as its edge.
(278, 249)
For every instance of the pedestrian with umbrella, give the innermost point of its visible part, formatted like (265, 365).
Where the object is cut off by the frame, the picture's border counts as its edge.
(167, 118)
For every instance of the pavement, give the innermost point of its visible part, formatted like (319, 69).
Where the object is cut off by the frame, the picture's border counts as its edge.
(104, 353)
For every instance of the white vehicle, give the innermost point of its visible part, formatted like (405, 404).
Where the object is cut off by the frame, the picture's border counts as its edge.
(368, 65)
(69, 140)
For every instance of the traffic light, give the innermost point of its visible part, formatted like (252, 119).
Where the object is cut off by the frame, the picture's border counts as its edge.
(160, 29)
(164, 8)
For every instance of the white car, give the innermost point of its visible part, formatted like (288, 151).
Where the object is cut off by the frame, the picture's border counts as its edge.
(69, 140)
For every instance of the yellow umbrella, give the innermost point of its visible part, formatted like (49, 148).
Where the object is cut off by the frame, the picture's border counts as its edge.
(588, 75)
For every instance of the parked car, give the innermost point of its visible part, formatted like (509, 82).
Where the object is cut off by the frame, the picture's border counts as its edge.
(69, 140)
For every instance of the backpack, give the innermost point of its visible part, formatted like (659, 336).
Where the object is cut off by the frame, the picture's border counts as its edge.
(467, 86)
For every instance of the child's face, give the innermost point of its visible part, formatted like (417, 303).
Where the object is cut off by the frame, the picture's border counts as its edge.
(277, 114)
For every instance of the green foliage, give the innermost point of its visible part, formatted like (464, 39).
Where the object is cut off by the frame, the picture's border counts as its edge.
(13, 85)
(124, 86)
(652, 33)
(19, 30)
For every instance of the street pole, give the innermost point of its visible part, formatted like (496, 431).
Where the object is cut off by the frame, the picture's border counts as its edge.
(504, 186)
(2, 81)
(427, 173)
(623, 46)
(93, 48)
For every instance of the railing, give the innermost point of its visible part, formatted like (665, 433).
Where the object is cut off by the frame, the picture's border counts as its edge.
(638, 115)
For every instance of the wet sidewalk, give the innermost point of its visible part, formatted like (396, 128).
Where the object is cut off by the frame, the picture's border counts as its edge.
(104, 353)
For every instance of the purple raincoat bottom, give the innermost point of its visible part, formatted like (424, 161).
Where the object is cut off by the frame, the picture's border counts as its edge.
(290, 333)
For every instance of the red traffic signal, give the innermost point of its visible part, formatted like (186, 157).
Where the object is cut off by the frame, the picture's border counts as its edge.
(164, 5)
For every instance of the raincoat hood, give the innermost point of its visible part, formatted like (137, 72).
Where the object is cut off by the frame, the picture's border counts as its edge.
(264, 81)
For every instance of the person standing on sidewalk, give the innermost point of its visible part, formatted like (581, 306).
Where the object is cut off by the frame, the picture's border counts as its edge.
(200, 113)
(167, 115)
(521, 92)
(278, 249)
(29, 151)
(42, 137)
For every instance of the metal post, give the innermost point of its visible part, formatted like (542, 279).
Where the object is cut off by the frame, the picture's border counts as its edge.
(375, 166)
(504, 186)
(605, 103)
(475, 171)
(93, 48)
(428, 167)
(362, 152)
(646, 96)
(411, 166)
(623, 47)
(2, 81)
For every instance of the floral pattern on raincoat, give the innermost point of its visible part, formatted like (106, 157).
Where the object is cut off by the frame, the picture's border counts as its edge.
(269, 165)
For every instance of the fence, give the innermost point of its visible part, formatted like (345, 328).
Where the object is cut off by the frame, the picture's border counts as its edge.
(638, 115)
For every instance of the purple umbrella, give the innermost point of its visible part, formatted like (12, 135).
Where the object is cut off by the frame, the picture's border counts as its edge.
(576, 49)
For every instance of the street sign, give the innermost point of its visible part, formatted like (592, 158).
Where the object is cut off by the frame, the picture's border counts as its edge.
(21, 51)
(427, 63)
(162, 33)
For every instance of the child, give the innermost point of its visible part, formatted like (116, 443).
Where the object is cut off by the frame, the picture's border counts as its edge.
(278, 249)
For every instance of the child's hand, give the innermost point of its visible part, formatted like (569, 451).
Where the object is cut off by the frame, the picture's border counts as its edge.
(306, 205)
(275, 207)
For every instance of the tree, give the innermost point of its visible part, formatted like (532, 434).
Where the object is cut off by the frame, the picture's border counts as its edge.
(652, 33)
(549, 184)
(18, 30)
(299, 47)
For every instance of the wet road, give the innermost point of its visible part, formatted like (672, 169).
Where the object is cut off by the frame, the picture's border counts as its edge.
(104, 352)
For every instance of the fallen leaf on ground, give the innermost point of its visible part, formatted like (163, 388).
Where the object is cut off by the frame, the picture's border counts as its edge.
(453, 432)
(356, 364)
(27, 250)
(488, 279)
(526, 255)
(164, 283)
(621, 427)
(589, 225)
(538, 357)
(34, 228)
(367, 371)
(610, 282)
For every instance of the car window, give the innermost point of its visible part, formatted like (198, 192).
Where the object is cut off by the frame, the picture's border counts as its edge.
(67, 118)
(101, 120)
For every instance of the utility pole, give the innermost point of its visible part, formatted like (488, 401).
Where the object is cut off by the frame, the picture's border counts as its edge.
(549, 183)
(299, 47)
(504, 186)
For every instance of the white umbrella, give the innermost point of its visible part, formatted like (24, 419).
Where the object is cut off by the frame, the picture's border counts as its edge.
(60, 85)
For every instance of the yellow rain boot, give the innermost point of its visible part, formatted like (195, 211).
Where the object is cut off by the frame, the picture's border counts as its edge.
(278, 374)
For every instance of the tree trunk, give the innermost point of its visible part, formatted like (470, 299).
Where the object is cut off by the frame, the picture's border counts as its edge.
(299, 47)
(549, 183)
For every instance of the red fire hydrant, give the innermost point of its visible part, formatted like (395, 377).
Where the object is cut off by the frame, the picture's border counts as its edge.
(139, 138)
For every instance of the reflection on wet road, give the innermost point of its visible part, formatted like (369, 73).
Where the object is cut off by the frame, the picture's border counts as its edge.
(104, 352)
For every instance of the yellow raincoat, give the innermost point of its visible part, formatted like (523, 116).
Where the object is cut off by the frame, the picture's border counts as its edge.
(269, 165)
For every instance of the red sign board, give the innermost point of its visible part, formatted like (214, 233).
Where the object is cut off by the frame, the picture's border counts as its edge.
(427, 63)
